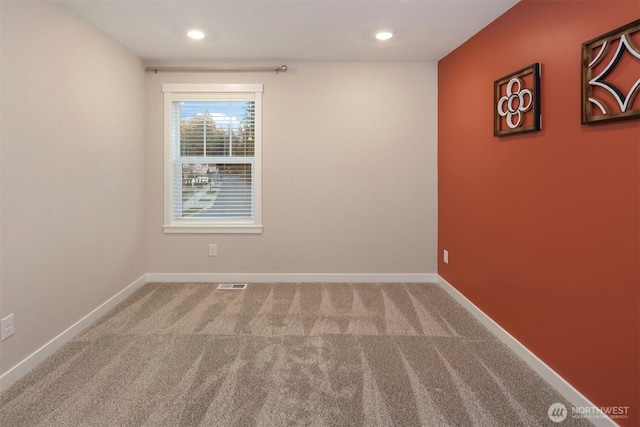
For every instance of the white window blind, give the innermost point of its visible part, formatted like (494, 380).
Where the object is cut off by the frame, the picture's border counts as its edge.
(212, 158)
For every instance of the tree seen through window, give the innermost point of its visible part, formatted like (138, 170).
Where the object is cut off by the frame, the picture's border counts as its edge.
(217, 128)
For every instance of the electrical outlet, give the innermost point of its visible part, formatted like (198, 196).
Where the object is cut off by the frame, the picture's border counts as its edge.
(8, 327)
(445, 256)
(213, 250)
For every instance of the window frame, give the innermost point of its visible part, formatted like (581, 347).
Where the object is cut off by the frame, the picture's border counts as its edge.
(172, 92)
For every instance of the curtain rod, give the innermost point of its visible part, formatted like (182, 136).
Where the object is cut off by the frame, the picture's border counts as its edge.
(281, 68)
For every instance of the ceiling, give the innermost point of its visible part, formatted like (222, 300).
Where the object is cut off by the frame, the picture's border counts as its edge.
(289, 30)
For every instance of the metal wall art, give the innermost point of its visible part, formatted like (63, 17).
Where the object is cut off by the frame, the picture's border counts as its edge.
(611, 75)
(516, 102)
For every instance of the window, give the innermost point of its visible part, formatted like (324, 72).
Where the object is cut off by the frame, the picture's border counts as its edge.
(212, 150)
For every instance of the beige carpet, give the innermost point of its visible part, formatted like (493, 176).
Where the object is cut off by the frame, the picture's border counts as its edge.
(281, 355)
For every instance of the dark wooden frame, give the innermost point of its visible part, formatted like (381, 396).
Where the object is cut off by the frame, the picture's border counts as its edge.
(535, 99)
(589, 47)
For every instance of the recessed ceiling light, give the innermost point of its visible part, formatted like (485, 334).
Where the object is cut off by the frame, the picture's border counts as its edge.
(195, 34)
(384, 35)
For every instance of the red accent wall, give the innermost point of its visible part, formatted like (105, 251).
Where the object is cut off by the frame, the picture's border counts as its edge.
(543, 229)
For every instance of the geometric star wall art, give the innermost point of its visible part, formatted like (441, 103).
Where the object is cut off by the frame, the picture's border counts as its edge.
(611, 75)
(516, 102)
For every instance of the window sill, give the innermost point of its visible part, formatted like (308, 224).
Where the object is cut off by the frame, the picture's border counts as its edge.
(212, 229)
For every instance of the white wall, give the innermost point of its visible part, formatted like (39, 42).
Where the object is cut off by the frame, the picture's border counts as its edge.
(349, 174)
(72, 172)
(349, 181)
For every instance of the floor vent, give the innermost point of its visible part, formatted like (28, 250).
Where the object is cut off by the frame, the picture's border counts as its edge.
(232, 286)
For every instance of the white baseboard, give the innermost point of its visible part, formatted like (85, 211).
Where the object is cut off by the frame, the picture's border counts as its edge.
(31, 361)
(569, 392)
(301, 278)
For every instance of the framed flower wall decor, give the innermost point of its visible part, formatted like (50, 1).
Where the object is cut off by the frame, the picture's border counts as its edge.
(516, 102)
(611, 75)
